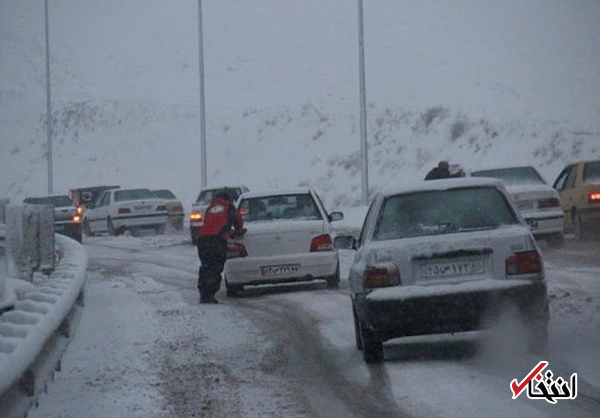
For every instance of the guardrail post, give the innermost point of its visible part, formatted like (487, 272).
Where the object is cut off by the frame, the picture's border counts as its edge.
(3, 203)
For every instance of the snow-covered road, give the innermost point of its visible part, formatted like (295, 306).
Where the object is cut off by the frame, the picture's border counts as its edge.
(146, 348)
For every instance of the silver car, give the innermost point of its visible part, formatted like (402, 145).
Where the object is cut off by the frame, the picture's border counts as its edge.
(443, 257)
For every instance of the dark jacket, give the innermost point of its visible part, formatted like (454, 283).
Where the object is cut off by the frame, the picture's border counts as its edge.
(438, 173)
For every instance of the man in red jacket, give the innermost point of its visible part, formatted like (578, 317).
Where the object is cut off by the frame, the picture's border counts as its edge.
(219, 219)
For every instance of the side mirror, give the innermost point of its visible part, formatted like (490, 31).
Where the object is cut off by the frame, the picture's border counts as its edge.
(336, 216)
(345, 242)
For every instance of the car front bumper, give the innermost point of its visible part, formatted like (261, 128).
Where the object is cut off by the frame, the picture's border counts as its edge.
(466, 308)
(310, 266)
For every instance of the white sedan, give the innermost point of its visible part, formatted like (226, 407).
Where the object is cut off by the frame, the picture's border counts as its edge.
(441, 257)
(538, 202)
(118, 210)
(288, 239)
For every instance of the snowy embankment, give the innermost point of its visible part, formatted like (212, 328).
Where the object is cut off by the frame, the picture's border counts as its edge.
(34, 334)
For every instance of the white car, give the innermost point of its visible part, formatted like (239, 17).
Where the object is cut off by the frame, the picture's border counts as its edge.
(537, 201)
(443, 256)
(288, 239)
(204, 198)
(118, 210)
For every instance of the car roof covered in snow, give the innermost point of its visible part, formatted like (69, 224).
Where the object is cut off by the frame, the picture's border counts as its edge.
(442, 184)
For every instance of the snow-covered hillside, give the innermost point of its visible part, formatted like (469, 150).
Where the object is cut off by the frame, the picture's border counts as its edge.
(481, 84)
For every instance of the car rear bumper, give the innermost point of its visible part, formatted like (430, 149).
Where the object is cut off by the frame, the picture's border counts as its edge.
(310, 266)
(467, 309)
(547, 223)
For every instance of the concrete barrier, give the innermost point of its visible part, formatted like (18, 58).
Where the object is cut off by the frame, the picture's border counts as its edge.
(35, 333)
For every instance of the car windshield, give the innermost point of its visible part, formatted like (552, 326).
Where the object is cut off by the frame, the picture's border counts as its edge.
(56, 201)
(207, 195)
(288, 207)
(591, 172)
(513, 176)
(133, 194)
(442, 212)
(164, 194)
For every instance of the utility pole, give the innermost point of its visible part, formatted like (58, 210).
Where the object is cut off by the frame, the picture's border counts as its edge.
(48, 104)
(202, 113)
(363, 109)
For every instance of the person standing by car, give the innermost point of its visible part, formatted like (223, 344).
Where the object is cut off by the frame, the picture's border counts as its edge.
(219, 220)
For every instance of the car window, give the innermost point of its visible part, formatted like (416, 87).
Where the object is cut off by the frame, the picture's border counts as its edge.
(513, 176)
(206, 196)
(559, 184)
(571, 178)
(288, 207)
(363, 232)
(591, 172)
(443, 211)
(56, 201)
(133, 194)
(320, 203)
(164, 194)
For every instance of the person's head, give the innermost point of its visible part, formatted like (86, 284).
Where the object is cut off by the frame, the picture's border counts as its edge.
(225, 194)
(443, 165)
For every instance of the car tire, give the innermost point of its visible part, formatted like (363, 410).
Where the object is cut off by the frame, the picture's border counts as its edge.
(556, 240)
(358, 339)
(372, 348)
(87, 229)
(579, 227)
(111, 228)
(159, 229)
(233, 291)
(333, 282)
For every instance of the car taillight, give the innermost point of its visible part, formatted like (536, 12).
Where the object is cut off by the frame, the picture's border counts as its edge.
(321, 243)
(594, 197)
(523, 262)
(161, 208)
(236, 250)
(381, 276)
(76, 217)
(80, 210)
(195, 216)
(124, 210)
(552, 202)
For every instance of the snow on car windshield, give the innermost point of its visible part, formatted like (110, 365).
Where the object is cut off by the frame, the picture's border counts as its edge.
(280, 207)
(443, 211)
(134, 194)
(512, 176)
(591, 172)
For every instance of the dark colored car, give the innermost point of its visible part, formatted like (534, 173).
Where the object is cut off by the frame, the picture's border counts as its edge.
(67, 220)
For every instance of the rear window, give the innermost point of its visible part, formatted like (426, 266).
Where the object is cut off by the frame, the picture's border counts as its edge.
(164, 194)
(288, 207)
(207, 195)
(134, 194)
(442, 212)
(591, 172)
(56, 201)
(512, 176)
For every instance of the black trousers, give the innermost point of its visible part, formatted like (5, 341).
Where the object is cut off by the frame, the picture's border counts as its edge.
(212, 250)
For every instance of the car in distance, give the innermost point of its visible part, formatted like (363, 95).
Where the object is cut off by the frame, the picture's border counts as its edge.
(579, 187)
(204, 198)
(67, 221)
(288, 239)
(442, 257)
(174, 208)
(118, 210)
(538, 203)
(84, 197)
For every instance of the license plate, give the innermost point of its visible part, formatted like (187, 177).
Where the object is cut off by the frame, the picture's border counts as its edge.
(281, 269)
(143, 207)
(457, 268)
